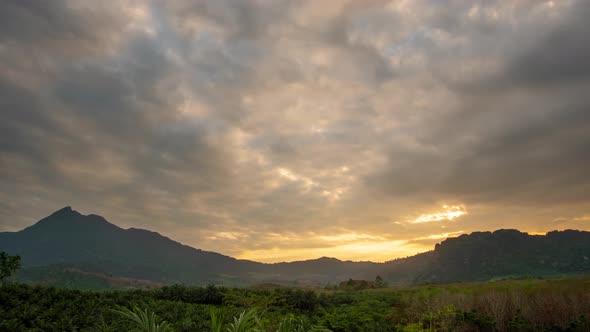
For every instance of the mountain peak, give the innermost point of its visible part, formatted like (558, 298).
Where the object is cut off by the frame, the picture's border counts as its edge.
(67, 219)
(64, 212)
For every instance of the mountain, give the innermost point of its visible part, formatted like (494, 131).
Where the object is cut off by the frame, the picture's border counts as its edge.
(69, 245)
(507, 253)
(89, 243)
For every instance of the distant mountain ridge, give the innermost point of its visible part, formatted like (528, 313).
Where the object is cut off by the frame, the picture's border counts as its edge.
(89, 243)
(508, 253)
(67, 237)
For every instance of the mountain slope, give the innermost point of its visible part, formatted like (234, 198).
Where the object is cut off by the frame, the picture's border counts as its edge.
(508, 253)
(90, 243)
(77, 243)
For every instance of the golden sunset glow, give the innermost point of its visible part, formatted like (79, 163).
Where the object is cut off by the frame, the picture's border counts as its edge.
(537, 233)
(369, 250)
(449, 212)
(347, 246)
(439, 236)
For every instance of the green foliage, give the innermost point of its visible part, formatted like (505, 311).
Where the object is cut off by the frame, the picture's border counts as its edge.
(507, 254)
(581, 323)
(481, 321)
(8, 265)
(516, 305)
(362, 315)
(295, 324)
(379, 282)
(208, 295)
(518, 323)
(103, 327)
(58, 276)
(443, 319)
(247, 321)
(350, 282)
(144, 320)
(415, 327)
(305, 300)
(291, 324)
(217, 316)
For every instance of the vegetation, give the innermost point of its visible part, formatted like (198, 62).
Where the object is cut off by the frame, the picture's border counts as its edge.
(216, 319)
(482, 256)
(247, 321)
(144, 320)
(508, 305)
(8, 266)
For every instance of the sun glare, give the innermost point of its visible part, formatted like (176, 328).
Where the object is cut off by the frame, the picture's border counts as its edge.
(439, 236)
(376, 251)
(585, 217)
(353, 246)
(449, 212)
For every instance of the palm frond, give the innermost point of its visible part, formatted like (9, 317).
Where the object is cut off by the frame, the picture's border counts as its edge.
(216, 319)
(144, 320)
(291, 324)
(247, 322)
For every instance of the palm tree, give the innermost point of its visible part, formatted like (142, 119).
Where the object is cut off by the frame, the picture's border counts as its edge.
(292, 324)
(246, 322)
(145, 320)
(216, 319)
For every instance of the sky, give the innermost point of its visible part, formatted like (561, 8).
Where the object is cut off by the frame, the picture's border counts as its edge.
(289, 130)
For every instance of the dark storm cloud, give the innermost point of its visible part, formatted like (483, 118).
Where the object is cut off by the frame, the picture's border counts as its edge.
(561, 55)
(235, 125)
(100, 128)
(474, 159)
(241, 19)
(38, 22)
(520, 132)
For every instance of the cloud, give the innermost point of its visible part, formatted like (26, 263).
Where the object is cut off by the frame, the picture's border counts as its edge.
(237, 126)
(503, 135)
(449, 212)
(559, 55)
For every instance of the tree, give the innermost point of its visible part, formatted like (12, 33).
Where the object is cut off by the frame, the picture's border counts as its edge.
(379, 283)
(248, 321)
(216, 319)
(144, 320)
(8, 265)
(350, 282)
